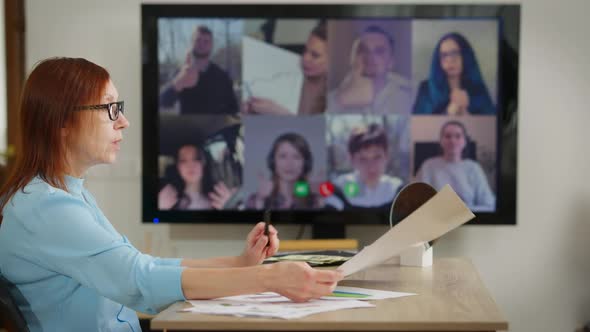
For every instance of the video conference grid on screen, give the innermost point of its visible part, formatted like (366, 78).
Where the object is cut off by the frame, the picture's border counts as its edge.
(306, 114)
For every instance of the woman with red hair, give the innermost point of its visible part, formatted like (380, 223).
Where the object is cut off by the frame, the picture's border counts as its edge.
(71, 269)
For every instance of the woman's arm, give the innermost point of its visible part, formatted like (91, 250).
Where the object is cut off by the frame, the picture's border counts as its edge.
(258, 199)
(295, 280)
(229, 261)
(220, 195)
(167, 197)
(424, 172)
(485, 199)
(73, 240)
(254, 253)
(259, 105)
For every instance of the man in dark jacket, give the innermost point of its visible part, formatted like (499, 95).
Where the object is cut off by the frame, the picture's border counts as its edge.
(200, 86)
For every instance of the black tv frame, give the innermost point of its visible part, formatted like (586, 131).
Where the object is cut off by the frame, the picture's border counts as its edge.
(330, 223)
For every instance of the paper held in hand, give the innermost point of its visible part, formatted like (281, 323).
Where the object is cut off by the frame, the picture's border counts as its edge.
(442, 213)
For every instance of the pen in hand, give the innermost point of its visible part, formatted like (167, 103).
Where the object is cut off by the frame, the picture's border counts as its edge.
(266, 219)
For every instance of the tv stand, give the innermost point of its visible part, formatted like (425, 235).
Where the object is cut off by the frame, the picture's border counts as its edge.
(324, 237)
(328, 231)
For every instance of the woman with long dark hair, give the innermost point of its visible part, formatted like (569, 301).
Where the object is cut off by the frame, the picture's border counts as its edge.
(289, 161)
(455, 85)
(190, 184)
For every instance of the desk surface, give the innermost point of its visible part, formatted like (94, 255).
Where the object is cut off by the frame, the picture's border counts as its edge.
(451, 297)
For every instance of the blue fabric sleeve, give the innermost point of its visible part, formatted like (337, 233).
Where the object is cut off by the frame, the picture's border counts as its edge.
(160, 260)
(167, 261)
(157, 260)
(74, 244)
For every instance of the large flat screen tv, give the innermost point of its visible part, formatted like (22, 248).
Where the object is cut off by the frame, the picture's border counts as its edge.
(320, 114)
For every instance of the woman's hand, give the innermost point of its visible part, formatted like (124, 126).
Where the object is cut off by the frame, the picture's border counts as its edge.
(459, 102)
(256, 245)
(259, 105)
(299, 282)
(220, 195)
(167, 197)
(263, 191)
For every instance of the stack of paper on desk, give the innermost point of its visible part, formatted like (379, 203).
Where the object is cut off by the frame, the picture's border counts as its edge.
(289, 310)
(440, 214)
(273, 305)
(312, 260)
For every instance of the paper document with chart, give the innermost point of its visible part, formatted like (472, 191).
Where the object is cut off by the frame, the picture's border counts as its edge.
(273, 305)
(271, 72)
(440, 214)
(270, 305)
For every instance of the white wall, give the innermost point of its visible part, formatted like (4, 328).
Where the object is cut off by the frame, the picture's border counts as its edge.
(537, 271)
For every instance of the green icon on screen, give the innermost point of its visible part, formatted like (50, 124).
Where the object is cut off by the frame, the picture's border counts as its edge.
(351, 189)
(301, 189)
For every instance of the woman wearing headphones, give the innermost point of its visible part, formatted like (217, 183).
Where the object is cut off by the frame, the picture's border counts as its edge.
(465, 176)
(290, 162)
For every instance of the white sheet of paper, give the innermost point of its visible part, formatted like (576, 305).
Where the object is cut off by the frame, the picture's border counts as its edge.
(271, 72)
(266, 297)
(440, 214)
(289, 310)
(342, 293)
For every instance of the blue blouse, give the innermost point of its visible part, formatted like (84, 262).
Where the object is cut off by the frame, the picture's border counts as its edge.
(73, 270)
(480, 102)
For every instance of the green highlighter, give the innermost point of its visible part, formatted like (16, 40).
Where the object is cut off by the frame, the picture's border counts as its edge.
(349, 295)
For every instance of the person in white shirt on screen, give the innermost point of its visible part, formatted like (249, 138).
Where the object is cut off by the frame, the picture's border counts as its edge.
(465, 176)
(71, 270)
(372, 86)
(367, 186)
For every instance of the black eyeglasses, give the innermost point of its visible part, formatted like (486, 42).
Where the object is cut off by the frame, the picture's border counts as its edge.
(454, 54)
(114, 108)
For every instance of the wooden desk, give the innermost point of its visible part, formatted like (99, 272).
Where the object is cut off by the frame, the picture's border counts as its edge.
(451, 297)
(326, 244)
